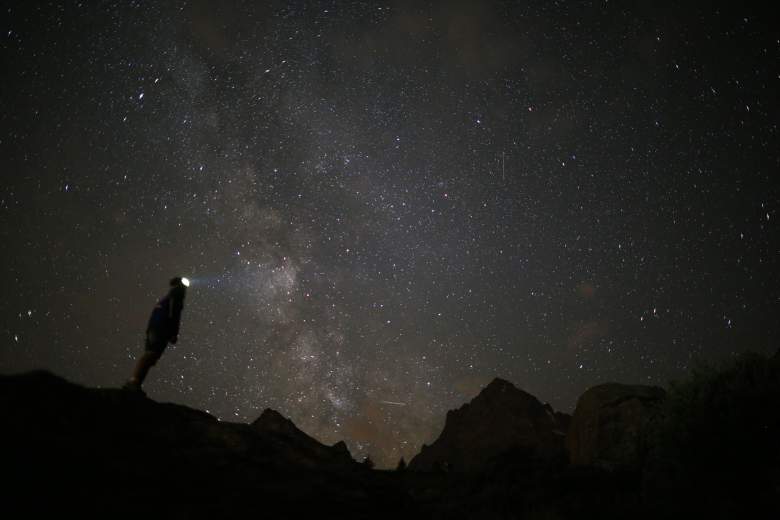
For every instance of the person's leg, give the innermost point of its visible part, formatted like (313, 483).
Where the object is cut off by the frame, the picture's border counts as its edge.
(152, 351)
(147, 360)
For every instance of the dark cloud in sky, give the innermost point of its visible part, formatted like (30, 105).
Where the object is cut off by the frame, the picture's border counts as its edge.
(383, 206)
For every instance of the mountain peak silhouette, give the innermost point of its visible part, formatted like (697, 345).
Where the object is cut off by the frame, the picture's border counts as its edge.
(501, 418)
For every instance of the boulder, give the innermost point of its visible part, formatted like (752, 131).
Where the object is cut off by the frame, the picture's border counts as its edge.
(606, 429)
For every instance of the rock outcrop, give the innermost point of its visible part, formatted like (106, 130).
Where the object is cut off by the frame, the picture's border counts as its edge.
(75, 451)
(501, 419)
(305, 450)
(607, 425)
(710, 451)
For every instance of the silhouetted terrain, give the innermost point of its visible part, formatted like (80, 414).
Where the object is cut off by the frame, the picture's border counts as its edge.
(79, 450)
(499, 419)
(707, 448)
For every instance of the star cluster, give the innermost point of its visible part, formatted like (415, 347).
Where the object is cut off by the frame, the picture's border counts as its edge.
(384, 205)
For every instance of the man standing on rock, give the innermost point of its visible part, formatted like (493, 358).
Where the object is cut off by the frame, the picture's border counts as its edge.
(163, 328)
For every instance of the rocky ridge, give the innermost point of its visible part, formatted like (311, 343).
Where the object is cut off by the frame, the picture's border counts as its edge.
(628, 451)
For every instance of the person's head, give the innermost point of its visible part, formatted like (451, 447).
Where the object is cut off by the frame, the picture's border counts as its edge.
(179, 285)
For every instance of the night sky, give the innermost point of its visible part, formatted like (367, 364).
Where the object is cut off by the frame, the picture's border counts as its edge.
(383, 206)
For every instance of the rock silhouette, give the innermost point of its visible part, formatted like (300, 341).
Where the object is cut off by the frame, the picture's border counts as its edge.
(607, 425)
(500, 419)
(117, 454)
(709, 451)
(303, 449)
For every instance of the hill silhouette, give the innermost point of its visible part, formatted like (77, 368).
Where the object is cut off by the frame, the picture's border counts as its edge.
(706, 448)
(115, 453)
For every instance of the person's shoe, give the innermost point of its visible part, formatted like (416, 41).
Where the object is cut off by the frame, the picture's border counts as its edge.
(133, 386)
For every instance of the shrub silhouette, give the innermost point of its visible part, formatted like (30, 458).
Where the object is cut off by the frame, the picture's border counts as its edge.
(715, 441)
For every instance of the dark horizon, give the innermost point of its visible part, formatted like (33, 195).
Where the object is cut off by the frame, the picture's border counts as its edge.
(382, 207)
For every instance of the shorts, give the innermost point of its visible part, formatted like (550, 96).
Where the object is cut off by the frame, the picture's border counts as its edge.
(155, 342)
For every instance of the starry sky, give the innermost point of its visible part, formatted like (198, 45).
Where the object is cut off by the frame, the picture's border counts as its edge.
(384, 205)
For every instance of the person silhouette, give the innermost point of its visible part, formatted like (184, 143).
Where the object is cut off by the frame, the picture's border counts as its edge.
(163, 328)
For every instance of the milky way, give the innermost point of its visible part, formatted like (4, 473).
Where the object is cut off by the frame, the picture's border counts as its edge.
(382, 206)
